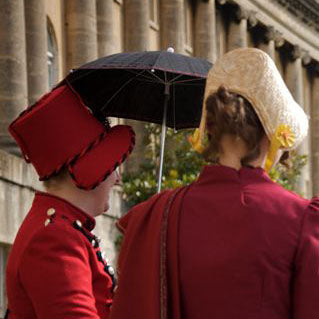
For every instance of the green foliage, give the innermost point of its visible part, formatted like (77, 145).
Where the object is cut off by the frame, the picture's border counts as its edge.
(288, 177)
(182, 166)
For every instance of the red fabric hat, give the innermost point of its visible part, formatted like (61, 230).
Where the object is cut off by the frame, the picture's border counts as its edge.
(60, 131)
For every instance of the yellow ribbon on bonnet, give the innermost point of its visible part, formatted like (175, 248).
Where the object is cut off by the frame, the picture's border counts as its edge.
(283, 138)
(197, 139)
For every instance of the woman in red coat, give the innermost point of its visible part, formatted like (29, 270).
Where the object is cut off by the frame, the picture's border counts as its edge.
(233, 244)
(55, 268)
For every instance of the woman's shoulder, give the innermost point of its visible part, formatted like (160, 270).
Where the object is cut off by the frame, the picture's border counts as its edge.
(152, 206)
(278, 191)
(313, 206)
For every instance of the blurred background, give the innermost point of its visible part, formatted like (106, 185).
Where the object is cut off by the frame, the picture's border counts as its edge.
(41, 40)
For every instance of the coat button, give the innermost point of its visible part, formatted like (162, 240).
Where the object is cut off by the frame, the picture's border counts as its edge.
(47, 222)
(111, 270)
(78, 223)
(51, 211)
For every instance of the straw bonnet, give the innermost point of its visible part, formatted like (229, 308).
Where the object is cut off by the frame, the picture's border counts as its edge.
(252, 74)
(59, 131)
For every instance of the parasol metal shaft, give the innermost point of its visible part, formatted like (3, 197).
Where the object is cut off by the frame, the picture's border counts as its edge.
(163, 136)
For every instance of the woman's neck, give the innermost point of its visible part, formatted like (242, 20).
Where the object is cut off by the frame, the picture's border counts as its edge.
(234, 149)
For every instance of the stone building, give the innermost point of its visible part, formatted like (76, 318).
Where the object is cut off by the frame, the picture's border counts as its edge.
(41, 40)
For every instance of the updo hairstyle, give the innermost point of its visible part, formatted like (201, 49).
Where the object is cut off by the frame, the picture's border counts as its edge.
(230, 113)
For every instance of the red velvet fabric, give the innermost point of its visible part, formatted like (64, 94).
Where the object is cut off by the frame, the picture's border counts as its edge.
(53, 271)
(55, 130)
(102, 159)
(59, 130)
(138, 292)
(246, 249)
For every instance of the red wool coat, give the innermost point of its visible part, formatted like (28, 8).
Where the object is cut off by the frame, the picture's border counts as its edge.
(53, 270)
(233, 245)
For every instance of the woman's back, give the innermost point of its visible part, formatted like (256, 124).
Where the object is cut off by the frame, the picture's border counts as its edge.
(240, 239)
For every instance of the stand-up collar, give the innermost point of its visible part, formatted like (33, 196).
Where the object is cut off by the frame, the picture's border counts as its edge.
(59, 204)
(223, 173)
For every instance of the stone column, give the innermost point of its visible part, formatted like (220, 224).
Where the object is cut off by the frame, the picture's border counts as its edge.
(13, 75)
(81, 32)
(237, 30)
(137, 38)
(294, 75)
(37, 47)
(205, 30)
(294, 81)
(137, 33)
(105, 27)
(279, 42)
(173, 25)
(315, 134)
(268, 45)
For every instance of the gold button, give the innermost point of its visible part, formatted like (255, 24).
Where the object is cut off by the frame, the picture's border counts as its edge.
(47, 222)
(51, 211)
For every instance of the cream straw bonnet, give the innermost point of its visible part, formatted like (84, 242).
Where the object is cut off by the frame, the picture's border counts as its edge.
(252, 73)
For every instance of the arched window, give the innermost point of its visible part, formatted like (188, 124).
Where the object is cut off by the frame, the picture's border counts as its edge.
(52, 54)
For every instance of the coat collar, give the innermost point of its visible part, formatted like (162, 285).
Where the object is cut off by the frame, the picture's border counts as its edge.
(221, 173)
(71, 211)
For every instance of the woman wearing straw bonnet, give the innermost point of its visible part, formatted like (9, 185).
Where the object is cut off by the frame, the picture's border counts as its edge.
(233, 244)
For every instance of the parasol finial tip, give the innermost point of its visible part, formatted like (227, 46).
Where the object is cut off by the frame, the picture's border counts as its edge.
(170, 49)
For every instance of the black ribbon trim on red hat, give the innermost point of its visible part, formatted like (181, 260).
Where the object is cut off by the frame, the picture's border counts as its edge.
(109, 172)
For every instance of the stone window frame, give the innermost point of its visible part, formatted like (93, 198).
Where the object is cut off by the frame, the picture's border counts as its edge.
(154, 14)
(52, 55)
(189, 26)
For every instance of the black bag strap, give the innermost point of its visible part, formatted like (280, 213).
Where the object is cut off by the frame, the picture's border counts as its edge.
(6, 316)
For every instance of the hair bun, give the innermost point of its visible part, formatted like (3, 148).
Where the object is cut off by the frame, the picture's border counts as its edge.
(223, 95)
(229, 113)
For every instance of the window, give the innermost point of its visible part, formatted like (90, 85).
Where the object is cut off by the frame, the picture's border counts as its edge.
(189, 22)
(52, 57)
(154, 13)
(3, 296)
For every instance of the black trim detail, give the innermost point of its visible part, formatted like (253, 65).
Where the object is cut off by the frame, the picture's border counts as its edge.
(95, 241)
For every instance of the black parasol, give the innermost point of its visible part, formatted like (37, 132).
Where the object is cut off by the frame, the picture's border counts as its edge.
(153, 86)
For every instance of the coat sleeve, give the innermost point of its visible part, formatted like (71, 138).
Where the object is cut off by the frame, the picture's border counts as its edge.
(306, 276)
(55, 272)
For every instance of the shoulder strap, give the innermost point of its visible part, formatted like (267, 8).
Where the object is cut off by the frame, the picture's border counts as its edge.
(169, 221)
